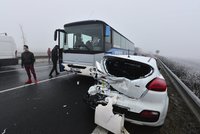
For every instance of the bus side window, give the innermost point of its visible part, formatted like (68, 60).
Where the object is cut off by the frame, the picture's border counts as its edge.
(108, 44)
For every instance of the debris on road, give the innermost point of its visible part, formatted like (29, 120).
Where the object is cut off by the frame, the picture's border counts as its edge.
(99, 130)
(4, 131)
(105, 117)
(77, 82)
(64, 106)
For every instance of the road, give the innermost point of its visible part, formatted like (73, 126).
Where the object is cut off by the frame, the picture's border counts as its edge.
(51, 106)
(56, 106)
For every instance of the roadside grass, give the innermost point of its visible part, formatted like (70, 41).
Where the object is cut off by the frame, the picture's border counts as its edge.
(185, 73)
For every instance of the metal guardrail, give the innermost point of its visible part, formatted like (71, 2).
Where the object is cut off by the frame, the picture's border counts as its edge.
(192, 101)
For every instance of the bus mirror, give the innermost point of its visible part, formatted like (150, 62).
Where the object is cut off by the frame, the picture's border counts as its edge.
(55, 35)
(65, 39)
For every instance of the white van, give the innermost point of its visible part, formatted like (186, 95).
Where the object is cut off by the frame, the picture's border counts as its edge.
(8, 51)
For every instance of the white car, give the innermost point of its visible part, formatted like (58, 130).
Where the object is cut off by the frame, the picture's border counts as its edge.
(139, 87)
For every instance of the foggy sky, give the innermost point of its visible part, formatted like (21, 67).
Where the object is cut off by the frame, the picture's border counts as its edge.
(171, 26)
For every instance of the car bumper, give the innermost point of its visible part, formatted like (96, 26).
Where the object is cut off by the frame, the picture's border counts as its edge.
(131, 114)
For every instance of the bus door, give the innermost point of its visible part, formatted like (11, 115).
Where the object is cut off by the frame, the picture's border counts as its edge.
(60, 37)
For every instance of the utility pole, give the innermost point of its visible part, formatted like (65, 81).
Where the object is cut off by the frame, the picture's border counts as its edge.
(23, 37)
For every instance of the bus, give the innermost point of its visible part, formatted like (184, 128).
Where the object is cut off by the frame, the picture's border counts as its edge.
(8, 51)
(85, 42)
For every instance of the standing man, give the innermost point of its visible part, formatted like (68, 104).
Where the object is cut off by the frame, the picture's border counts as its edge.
(49, 54)
(54, 58)
(28, 60)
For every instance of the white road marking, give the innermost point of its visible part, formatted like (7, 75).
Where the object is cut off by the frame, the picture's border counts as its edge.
(10, 70)
(99, 130)
(27, 85)
(20, 69)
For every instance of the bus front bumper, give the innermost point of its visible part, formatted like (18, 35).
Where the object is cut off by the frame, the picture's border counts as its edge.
(79, 69)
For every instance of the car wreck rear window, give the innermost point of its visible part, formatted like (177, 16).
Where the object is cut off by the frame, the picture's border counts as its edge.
(127, 68)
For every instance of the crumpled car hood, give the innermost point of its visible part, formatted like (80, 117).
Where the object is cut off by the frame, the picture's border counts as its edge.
(130, 88)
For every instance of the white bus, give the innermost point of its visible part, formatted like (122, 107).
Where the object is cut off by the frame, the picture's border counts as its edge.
(85, 42)
(8, 51)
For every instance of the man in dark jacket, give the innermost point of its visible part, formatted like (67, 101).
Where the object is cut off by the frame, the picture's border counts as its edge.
(54, 58)
(28, 60)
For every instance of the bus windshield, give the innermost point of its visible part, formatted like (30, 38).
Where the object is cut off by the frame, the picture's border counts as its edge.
(86, 37)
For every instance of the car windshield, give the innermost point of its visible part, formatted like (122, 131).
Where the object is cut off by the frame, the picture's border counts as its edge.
(129, 69)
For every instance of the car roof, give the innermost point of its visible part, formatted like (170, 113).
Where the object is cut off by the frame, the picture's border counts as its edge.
(146, 60)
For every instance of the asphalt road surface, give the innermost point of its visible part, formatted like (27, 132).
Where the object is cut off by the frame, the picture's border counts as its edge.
(53, 106)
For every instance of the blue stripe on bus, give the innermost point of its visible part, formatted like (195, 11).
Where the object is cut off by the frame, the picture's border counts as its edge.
(118, 51)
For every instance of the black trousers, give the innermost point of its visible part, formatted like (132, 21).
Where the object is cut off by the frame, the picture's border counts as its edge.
(54, 67)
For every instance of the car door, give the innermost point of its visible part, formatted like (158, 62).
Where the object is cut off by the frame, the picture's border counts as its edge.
(60, 37)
